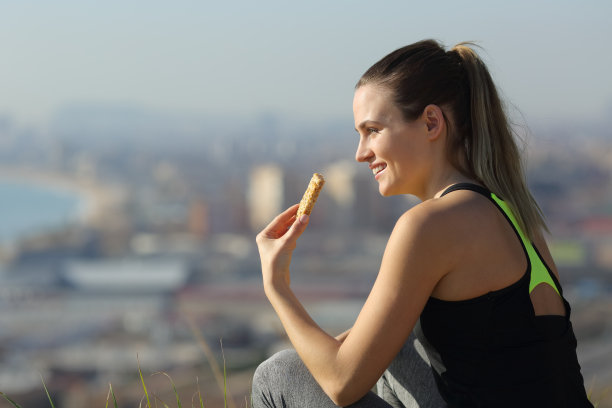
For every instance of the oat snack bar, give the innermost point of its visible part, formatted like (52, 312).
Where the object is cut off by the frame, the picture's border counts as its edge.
(311, 194)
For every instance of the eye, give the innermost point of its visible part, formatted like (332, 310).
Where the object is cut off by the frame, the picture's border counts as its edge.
(372, 130)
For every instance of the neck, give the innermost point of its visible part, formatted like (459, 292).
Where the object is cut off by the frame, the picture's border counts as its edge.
(442, 173)
(444, 179)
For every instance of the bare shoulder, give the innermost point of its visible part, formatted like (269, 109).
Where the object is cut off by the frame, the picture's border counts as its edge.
(434, 233)
(448, 219)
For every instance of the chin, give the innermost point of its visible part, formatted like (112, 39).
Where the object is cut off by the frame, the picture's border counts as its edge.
(394, 190)
(385, 192)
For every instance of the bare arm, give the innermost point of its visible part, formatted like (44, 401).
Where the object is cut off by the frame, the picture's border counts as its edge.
(348, 366)
(342, 336)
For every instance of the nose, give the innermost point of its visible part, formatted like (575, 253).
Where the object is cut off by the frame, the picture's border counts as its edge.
(363, 153)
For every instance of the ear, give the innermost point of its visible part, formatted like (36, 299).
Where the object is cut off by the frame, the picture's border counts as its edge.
(434, 120)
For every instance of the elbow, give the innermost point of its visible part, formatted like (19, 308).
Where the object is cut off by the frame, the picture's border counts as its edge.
(343, 400)
(344, 394)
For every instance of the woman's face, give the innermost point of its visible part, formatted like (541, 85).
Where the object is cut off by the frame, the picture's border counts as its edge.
(396, 151)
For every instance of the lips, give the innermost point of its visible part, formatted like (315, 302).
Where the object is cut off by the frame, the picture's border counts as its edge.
(378, 168)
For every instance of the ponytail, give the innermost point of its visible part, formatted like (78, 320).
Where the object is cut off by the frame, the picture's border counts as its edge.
(491, 148)
(481, 143)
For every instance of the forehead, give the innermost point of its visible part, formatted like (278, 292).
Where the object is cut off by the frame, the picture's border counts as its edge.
(371, 93)
(373, 102)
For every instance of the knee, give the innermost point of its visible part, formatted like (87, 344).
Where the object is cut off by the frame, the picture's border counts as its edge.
(276, 368)
(272, 378)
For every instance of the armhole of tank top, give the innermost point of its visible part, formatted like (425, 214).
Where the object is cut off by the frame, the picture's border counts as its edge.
(552, 276)
(538, 269)
(534, 258)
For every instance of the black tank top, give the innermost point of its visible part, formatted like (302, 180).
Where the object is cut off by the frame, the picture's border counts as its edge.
(493, 351)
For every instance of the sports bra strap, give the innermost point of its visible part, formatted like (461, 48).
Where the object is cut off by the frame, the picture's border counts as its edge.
(468, 186)
(539, 271)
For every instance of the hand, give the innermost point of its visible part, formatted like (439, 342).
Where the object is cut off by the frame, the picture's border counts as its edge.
(276, 243)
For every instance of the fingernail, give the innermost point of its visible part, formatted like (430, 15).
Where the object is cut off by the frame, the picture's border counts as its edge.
(304, 218)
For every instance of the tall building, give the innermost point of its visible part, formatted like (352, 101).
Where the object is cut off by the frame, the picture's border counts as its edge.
(197, 222)
(265, 195)
(340, 186)
(340, 183)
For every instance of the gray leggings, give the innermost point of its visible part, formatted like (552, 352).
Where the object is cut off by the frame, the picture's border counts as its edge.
(283, 381)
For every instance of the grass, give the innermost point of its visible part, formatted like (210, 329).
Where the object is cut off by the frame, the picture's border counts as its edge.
(111, 393)
(9, 400)
(220, 377)
(603, 393)
(111, 398)
(47, 392)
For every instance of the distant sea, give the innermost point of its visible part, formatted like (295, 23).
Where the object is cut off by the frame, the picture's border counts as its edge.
(30, 208)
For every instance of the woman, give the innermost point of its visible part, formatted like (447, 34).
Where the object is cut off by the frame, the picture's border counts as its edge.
(467, 270)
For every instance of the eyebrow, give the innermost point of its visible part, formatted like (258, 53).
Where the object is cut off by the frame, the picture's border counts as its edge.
(363, 124)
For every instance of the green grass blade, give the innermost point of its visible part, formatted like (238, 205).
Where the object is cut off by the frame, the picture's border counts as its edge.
(178, 400)
(210, 356)
(47, 391)
(16, 405)
(111, 392)
(198, 393)
(144, 387)
(224, 375)
(200, 396)
(160, 401)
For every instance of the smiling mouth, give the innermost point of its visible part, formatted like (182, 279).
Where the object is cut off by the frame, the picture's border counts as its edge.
(379, 168)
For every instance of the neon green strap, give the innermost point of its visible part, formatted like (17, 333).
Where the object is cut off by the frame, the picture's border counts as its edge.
(539, 272)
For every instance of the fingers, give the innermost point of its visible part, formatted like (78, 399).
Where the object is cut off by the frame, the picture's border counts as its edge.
(287, 240)
(285, 226)
(281, 223)
(277, 241)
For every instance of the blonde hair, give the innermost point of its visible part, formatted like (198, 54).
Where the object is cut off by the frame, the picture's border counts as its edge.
(481, 143)
(493, 151)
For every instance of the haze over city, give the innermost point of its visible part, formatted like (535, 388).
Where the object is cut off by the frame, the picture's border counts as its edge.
(180, 129)
(301, 60)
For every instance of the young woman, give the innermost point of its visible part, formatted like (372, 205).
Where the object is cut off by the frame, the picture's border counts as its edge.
(466, 271)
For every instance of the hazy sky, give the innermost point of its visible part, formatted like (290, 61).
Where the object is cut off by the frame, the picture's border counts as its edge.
(550, 58)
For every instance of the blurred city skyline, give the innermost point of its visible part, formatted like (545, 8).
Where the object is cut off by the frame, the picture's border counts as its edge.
(181, 128)
(191, 59)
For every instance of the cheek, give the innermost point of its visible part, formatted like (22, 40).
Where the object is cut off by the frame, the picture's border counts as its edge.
(398, 155)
